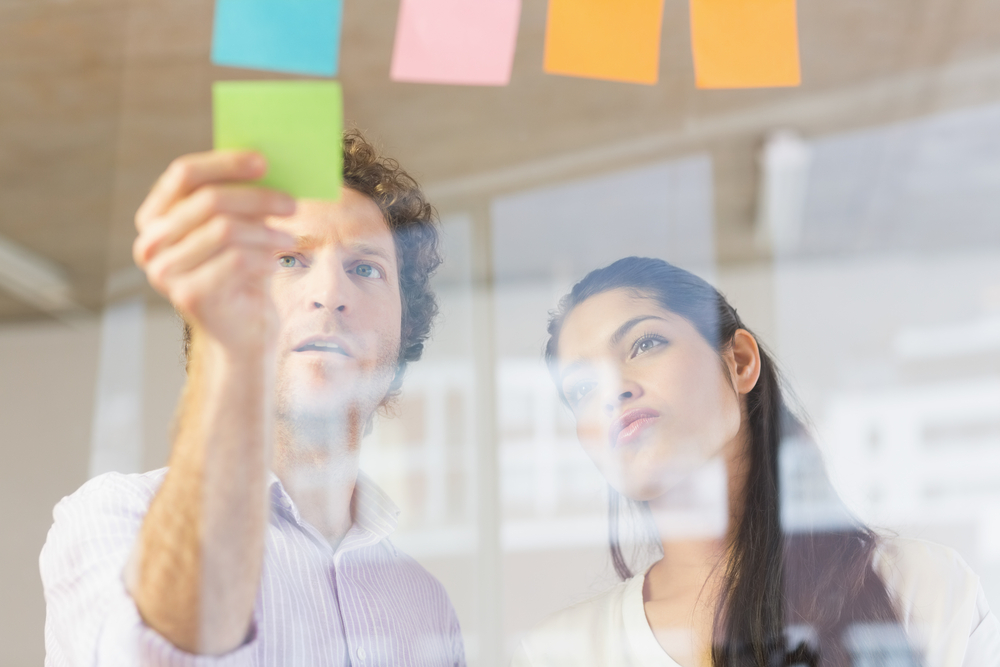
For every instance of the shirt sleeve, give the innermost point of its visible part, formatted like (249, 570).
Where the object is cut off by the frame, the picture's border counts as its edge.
(457, 642)
(983, 649)
(91, 620)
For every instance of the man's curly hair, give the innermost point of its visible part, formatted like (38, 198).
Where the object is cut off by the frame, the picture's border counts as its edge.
(413, 223)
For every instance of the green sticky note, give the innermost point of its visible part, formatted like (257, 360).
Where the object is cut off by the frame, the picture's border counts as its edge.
(296, 125)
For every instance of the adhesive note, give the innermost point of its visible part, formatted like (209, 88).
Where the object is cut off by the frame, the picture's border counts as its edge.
(745, 43)
(467, 42)
(296, 125)
(298, 36)
(604, 39)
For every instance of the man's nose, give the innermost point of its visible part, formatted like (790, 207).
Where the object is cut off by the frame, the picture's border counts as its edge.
(330, 288)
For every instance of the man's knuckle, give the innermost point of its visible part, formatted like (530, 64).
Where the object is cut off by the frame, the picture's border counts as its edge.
(210, 198)
(146, 248)
(223, 227)
(139, 249)
(181, 170)
(157, 273)
(185, 295)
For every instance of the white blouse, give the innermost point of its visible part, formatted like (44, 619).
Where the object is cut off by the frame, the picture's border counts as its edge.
(940, 602)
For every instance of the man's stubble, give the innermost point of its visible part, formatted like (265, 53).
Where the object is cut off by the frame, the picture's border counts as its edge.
(313, 429)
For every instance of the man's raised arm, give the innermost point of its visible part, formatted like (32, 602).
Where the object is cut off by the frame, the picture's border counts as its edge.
(203, 244)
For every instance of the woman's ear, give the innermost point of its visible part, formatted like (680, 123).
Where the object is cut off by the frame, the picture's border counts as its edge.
(746, 358)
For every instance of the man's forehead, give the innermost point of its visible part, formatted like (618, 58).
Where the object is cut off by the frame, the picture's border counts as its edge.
(353, 221)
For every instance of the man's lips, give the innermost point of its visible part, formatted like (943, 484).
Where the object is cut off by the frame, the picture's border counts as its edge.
(327, 344)
(630, 425)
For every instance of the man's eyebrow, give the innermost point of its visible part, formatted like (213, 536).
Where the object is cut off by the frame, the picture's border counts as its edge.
(368, 249)
(621, 331)
(307, 242)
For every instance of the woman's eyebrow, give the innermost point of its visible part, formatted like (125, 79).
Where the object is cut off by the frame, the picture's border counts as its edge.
(621, 331)
(569, 370)
(616, 338)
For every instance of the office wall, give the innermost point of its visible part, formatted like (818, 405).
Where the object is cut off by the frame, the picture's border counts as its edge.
(47, 399)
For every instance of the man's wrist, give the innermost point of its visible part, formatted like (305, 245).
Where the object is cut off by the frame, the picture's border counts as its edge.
(245, 358)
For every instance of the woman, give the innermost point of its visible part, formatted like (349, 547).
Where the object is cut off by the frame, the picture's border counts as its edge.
(666, 385)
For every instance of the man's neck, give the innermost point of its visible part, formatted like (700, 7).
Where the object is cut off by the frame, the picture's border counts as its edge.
(318, 467)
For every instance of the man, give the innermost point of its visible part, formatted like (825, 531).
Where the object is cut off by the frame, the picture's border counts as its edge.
(261, 544)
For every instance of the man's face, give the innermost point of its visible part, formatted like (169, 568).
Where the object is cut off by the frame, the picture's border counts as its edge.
(337, 296)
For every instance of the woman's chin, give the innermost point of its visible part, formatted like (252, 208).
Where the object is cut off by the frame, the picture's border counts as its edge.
(646, 481)
(638, 488)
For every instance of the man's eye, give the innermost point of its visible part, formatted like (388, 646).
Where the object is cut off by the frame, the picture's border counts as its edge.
(287, 262)
(367, 271)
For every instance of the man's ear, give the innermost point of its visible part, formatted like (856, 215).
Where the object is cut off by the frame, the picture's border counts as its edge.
(746, 358)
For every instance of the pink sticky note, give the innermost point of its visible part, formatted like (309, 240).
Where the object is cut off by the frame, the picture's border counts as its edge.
(466, 42)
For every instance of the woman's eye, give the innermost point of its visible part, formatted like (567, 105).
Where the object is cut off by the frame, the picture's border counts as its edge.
(367, 271)
(287, 262)
(579, 390)
(646, 344)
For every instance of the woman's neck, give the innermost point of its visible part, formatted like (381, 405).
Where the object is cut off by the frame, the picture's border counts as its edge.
(707, 506)
(696, 522)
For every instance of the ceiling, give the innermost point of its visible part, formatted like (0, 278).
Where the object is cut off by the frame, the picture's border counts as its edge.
(97, 96)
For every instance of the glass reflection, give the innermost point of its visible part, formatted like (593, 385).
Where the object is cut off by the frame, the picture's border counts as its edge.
(682, 410)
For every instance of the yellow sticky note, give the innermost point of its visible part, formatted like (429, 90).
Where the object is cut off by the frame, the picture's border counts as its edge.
(745, 43)
(604, 39)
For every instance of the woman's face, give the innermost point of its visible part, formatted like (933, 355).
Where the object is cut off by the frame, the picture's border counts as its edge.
(652, 399)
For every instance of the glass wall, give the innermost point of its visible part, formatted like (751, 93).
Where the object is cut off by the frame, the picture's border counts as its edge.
(852, 222)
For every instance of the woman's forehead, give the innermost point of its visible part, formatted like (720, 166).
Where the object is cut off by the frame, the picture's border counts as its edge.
(590, 327)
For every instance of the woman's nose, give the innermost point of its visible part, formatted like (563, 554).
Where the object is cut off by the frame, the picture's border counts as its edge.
(621, 395)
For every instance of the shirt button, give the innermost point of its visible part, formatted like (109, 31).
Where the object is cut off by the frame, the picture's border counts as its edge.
(361, 654)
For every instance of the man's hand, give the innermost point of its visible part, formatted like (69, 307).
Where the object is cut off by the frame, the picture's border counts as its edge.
(204, 244)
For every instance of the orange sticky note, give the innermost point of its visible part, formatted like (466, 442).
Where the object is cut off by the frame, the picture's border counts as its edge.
(604, 39)
(745, 43)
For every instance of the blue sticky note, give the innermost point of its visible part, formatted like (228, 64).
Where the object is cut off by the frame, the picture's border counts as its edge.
(297, 36)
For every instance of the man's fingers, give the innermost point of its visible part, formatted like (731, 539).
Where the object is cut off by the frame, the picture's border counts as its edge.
(232, 269)
(213, 238)
(208, 202)
(189, 172)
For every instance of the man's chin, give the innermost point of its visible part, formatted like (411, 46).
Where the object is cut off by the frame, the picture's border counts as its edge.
(310, 394)
(329, 403)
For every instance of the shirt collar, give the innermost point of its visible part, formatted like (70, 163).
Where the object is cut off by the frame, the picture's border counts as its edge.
(375, 515)
(374, 511)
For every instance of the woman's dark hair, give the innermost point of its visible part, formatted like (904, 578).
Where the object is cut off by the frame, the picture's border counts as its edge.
(774, 579)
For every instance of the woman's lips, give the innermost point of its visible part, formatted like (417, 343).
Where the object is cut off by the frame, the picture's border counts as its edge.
(630, 426)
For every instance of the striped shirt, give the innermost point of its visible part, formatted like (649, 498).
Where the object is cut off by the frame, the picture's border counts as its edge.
(363, 603)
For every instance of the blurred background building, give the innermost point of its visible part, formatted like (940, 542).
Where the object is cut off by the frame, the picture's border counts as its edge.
(853, 221)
